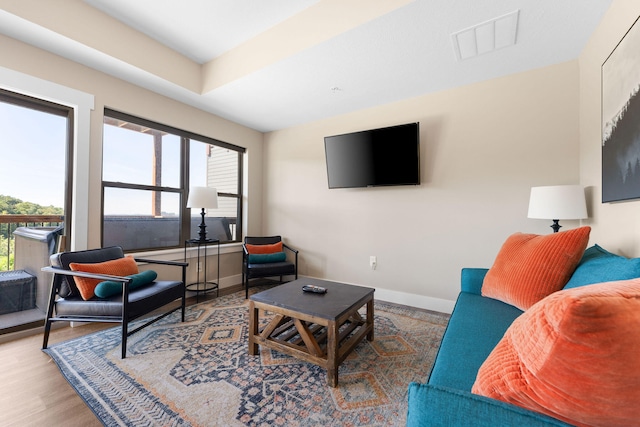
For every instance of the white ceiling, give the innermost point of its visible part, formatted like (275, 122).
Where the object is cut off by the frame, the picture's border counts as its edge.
(364, 61)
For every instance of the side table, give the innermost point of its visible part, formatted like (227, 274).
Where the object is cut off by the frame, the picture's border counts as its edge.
(203, 285)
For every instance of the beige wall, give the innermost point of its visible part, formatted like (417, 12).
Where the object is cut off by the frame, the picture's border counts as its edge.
(482, 147)
(122, 96)
(616, 226)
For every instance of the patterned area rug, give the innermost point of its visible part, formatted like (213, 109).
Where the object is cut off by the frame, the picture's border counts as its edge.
(199, 373)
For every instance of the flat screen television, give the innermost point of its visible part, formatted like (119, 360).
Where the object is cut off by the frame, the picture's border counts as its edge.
(376, 157)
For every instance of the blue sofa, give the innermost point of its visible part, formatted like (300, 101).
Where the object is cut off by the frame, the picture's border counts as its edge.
(475, 327)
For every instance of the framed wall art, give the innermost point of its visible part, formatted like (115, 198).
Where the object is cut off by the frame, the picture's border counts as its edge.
(621, 119)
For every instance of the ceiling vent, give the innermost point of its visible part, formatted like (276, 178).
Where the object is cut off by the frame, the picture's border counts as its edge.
(486, 37)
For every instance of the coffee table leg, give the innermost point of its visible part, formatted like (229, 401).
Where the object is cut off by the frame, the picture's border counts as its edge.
(332, 354)
(253, 328)
(370, 319)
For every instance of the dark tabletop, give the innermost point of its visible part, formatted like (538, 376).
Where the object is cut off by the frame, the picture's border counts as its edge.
(338, 299)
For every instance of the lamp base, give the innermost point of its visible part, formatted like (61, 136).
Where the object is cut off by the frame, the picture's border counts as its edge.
(556, 227)
(203, 228)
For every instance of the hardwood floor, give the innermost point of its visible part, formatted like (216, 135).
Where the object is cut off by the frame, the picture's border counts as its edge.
(33, 392)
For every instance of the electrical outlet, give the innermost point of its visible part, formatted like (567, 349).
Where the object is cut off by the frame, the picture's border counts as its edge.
(373, 262)
(199, 266)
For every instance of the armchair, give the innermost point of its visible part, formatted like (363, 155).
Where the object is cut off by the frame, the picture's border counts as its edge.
(266, 257)
(134, 299)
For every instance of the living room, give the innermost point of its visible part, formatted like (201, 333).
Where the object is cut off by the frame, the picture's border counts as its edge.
(483, 146)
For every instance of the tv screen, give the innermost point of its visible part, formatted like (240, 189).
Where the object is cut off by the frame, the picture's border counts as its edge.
(377, 157)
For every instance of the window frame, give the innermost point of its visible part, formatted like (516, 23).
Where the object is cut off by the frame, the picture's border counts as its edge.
(185, 214)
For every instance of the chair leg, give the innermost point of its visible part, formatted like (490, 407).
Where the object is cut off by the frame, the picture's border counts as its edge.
(184, 304)
(51, 303)
(124, 339)
(246, 287)
(47, 329)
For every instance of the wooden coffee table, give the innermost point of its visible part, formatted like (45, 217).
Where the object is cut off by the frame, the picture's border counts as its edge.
(318, 328)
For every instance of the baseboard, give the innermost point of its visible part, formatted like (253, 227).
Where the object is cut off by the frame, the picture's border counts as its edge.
(413, 300)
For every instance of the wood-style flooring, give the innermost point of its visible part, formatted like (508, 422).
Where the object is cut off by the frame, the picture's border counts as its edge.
(33, 392)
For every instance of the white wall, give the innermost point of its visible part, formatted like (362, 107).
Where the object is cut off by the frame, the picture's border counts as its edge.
(482, 147)
(616, 226)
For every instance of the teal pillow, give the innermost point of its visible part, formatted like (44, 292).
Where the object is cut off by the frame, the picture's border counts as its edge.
(109, 288)
(267, 258)
(599, 265)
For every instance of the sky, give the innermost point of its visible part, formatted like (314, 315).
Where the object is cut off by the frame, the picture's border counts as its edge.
(32, 165)
(128, 157)
(32, 149)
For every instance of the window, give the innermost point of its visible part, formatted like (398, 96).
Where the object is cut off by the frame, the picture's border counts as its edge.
(147, 169)
(37, 141)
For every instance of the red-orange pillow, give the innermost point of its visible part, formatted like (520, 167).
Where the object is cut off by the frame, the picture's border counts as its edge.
(574, 355)
(529, 266)
(264, 249)
(117, 267)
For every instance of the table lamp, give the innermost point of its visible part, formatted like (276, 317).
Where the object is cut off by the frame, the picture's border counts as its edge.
(557, 202)
(204, 198)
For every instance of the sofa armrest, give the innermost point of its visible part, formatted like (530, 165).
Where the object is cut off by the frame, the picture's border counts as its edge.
(431, 405)
(471, 280)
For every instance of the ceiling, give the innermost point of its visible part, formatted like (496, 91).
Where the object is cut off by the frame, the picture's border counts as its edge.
(273, 64)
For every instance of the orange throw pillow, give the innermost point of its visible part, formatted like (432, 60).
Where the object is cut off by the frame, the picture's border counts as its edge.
(264, 249)
(117, 267)
(574, 356)
(529, 266)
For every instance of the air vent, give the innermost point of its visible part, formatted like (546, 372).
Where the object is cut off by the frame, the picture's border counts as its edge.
(486, 37)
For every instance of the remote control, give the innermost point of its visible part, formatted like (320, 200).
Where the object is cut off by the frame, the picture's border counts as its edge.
(314, 289)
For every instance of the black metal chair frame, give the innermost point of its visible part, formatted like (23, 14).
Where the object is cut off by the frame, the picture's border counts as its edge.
(125, 317)
(248, 273)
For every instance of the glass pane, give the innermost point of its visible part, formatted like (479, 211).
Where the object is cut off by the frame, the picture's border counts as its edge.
(136, 154)
(140, 219)
(220, 223)
(212, 166)
(32, 180)
(33, 144)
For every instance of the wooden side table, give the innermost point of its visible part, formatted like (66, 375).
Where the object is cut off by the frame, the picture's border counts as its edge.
(204, 285)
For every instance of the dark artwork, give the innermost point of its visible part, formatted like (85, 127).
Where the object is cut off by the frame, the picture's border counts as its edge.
(621, 156)
(621, 120)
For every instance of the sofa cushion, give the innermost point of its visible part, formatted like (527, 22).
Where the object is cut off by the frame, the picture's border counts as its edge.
(267, 258)
(117, 267)
(109, 288)
(529, 266)
(264, 249)
(599, 265)
(142, 300)
(573, 356)
(63, 259)
(476, 325)
(430, 405)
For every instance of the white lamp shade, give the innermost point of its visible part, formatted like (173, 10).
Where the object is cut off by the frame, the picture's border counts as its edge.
(557, 202)
(202, 197)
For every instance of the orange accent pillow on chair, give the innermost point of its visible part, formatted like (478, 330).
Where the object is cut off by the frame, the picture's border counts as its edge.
(529, 266)
(574, 356)
(264, 249)
(117, 267)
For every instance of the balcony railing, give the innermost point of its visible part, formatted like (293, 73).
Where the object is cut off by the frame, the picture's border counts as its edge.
(9, 224)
